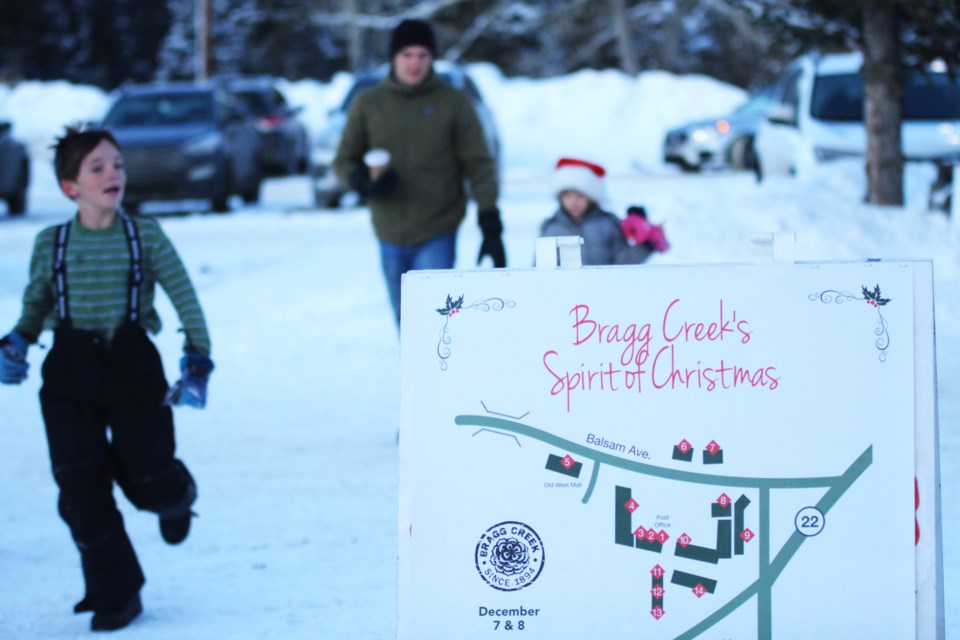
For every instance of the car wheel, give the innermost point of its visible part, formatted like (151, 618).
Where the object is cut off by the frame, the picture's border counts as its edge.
(757, 167)
(17, 201)
(251, 193)
(750, 157)
(740, 153)
(220, 201)
(303, 165)
(326, 199)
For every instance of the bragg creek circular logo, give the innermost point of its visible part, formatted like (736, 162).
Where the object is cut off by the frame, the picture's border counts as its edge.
(509, 556)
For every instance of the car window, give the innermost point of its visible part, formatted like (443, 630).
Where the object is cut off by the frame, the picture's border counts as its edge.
(791, 89)
(931, 96)
(164, 109)
(361, 83)
(471, 89)
(366, 81)
(926, 96)
(757, 104)
(837, 98)
(256, 102)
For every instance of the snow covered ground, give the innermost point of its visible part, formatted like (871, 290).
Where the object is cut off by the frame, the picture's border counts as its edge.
(295, 455)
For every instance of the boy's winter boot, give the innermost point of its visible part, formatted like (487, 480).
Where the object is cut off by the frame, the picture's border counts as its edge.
(175, 521)
(118, 619)
(175, 529)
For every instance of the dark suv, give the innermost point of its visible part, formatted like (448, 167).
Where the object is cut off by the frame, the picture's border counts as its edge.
(283, 136)
(14, 171)
(327, 191)
(186, 141)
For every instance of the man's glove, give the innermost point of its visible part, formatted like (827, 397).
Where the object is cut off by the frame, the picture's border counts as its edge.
(492, 244)
(191, 388)
(13, 358)
(383, 186)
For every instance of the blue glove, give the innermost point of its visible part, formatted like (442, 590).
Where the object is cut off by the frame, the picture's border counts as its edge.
(13, 358)
(191, 388)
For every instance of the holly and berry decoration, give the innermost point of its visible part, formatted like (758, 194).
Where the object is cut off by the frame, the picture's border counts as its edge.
(873, 298)
(452, 308)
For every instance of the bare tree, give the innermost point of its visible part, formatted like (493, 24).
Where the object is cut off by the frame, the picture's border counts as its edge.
(475, 30)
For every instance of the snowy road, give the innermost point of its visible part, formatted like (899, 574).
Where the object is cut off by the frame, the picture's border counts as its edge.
(295, 455)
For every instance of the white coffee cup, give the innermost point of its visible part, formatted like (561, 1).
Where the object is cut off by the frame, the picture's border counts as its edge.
(377, 160)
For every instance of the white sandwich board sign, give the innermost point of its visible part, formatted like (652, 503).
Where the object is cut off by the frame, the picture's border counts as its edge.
(719, 452)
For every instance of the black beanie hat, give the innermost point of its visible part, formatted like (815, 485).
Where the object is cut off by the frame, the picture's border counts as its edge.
(412, 32)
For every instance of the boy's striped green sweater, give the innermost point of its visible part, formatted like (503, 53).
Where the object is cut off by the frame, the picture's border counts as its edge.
(98, 273)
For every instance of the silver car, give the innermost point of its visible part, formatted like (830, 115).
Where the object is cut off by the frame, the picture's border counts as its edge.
(721, 143)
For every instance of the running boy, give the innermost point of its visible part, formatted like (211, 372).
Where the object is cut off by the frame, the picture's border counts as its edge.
(92, 280)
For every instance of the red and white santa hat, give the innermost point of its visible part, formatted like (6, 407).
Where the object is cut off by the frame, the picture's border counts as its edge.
(579, 175)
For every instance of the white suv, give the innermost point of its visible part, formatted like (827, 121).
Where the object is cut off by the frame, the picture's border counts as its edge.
(820, 115)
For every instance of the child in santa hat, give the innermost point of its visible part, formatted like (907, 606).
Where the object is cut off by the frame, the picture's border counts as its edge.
(579, 187)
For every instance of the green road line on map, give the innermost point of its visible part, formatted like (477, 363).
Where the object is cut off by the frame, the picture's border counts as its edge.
(769, 571)
(765, 590)
(642, 467)
(829, 499)
(593, 482)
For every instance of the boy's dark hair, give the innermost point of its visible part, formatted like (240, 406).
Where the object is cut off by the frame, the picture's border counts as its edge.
(73, 146)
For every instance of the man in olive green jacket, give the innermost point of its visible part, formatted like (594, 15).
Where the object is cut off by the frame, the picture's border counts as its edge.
(434, 141)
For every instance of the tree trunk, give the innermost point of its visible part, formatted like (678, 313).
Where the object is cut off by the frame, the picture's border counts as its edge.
(628, 59)
(670, 55)
(883, 94)
(202, 30)
(354, 36)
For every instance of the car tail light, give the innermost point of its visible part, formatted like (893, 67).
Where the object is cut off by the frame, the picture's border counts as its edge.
(722, 126)
(269, 123)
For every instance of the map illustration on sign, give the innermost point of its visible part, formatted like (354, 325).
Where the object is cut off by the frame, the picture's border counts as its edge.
(732, 534)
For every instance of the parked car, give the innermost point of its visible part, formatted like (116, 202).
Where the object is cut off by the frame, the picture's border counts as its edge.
(327, 191)
(186, 141)
(725, 142)
(283, 136)
(820, 115)
(14, 171)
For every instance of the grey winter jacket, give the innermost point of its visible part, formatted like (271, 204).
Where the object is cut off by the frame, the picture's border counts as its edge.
(435, 141)
(603, 241)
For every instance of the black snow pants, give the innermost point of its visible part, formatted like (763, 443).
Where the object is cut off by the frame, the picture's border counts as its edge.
(92, 386)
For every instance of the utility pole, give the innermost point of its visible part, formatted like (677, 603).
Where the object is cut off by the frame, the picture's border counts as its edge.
(202, 22)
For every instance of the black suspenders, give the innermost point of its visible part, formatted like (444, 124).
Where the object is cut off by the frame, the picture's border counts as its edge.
(136, 273)
(60, 272)
(133, 285)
